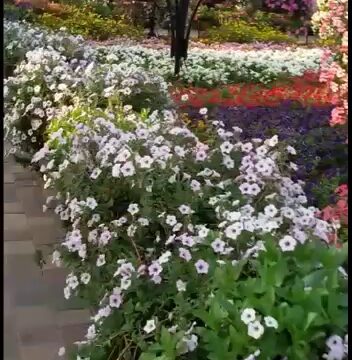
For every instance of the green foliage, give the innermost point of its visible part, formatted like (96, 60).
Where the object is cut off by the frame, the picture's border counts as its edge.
(242, 32)
(91, 25)
(12, 12)
(207, 17)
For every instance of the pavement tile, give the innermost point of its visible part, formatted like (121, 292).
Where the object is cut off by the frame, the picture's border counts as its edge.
(29, 317)
(73, 317)
(18, 248)
(37, 336)
(13, 207)
(46, 351)
(37, 318)
(16, 222)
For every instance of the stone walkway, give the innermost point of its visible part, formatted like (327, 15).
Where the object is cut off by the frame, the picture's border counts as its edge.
(37, 318)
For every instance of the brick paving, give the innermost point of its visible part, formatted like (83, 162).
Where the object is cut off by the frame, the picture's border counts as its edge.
(37, 318)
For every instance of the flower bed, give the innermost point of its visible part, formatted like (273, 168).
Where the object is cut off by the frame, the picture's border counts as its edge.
(323, 150)
(155, 212)
(306, 90)
(208, 68)
(182, 248)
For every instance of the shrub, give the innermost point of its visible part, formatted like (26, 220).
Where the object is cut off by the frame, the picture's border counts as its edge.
(47, 83)
(37, 91)
(242, 32)
(91, 25)
(174, 242)
(22, 37)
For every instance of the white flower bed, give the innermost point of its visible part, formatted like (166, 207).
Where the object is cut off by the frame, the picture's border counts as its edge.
(203, 67)
(212, 67)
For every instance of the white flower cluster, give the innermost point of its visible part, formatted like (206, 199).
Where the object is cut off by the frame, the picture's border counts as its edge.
(136, 157)
(203, 66)
(255, 328)
(21, 37)
(210, 67)
(48, 84)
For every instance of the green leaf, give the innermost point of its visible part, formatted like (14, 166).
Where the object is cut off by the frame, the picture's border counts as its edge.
(168, 343)
(315, 279)
(310, 319)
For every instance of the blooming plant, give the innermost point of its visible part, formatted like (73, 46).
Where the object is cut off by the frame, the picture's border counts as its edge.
(331, 24)
(40, 88)
(21, 37)
(47, 83)
(208, 68)
(301, 90)
(185, 248)
(337, 214)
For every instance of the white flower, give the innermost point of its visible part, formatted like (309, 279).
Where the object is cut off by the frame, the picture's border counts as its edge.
(203, 232)
(270, 322)
(185, 254)
(95, 173)
(287, 243)
(145, 162)
(101, 260)
(184, 97)
(185, 210)
(272, 142)
(218, 246)
(125, 283)
(195, 185)
(133, 209)
(91, 203)
(61, 351)
(203, 111)
(248, 315)
(155, 269)
(234, 230)
(255, 329)
(291, 150)
(91, 332)
(191, 342)
(270, 210)
(202, 266)
(85, 278)
(171, 220)
(334, 341)
(226, 147)
(115, 300)
(116, 170)
(127, 169)
(165, 257)
(149, 326)
(181, 286)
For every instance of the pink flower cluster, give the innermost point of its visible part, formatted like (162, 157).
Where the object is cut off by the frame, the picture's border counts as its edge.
(337, 213)
(331, 20)
(291, 6)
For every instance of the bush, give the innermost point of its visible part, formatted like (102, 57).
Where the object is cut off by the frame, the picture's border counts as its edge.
(189, 250)
(91, 25)
(242, 32)
(22, 37)
(47, 83)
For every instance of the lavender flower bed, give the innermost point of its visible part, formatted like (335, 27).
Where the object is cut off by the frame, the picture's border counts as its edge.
(321, 149)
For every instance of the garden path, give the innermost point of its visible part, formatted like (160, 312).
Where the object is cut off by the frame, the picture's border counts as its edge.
(37, 318)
